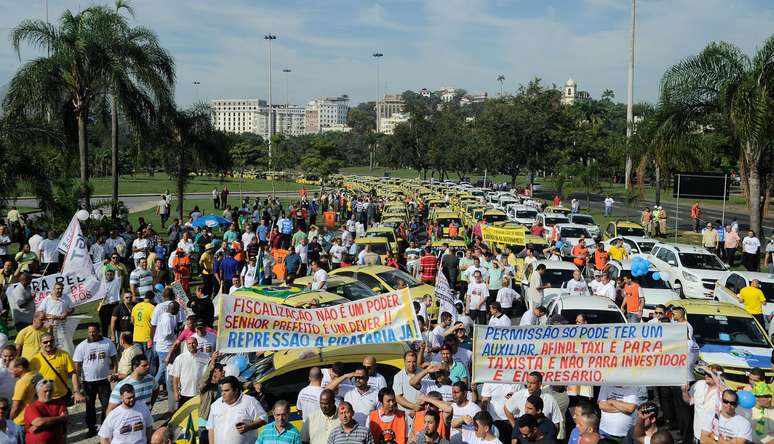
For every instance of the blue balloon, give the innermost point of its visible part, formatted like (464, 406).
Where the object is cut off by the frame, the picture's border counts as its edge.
(241, 362)
(559, 244)
(159, 287)
(656, 276)
(637, 259)
(746, 399)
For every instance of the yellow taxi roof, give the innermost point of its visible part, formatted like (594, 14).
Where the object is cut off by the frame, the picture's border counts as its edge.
(372, 240)
(709, 307)
(329, 355)
(627, 223)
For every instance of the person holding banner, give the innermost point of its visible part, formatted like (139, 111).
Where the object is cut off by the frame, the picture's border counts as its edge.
(57, 308)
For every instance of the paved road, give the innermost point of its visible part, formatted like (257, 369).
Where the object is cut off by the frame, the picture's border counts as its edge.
(684, 221)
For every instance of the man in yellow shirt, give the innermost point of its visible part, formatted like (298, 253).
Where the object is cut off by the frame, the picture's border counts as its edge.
(57, 365)
(753, 300)
(141, 314)
(28, 340)
(617, 251)
(24, 391)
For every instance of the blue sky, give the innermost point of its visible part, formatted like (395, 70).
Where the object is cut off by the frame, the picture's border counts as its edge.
(426, 43)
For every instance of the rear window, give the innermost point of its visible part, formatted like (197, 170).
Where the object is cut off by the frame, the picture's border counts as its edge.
(631, 231)
(583, 220)
(594, 316)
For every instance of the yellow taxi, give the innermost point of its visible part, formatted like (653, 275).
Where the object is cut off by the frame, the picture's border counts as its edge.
(492, 216)
(557, 209)
(728, 336)
(626, 228)
(444, 219)
(282, 374)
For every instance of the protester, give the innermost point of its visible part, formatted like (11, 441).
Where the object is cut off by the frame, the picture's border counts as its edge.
(129, 422)
(726, 425)
(45, 420)
(186, 371)
(94, 358)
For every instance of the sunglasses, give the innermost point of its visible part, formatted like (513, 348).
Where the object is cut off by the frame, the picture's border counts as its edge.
(360, 377)
(46, 342)
(659, 313)
(733, 403)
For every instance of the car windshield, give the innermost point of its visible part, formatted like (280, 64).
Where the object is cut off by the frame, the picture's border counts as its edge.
(553, 220)
(392, 278)
(768, 291)
(492, 218)
(556, 277)
(575, 232)
(583, 219)
(260, 367)
(526, 214)
(732, 330)
(647, 280)
(701, 261)
(646, 247)
(631, 231)
(594, 316)
(379, 249)
(390, 237)
(353, 291)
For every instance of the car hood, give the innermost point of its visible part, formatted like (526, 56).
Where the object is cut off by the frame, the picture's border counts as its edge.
(708, 274)
(655, 296)
(735, 355)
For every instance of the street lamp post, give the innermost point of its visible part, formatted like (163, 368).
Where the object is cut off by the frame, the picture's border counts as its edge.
(196, 84)
(377, 56)
(630, 102)
(287, 71)
(269, 38)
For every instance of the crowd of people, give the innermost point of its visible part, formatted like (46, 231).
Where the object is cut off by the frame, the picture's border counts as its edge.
(147, 347)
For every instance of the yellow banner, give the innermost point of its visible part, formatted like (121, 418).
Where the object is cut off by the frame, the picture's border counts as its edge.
(507, 236)
(249, 323)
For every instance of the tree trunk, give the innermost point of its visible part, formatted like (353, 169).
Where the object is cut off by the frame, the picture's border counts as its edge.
(114, 157)
(180, 183)
(658, 184)
(754, 182)
(83, 154)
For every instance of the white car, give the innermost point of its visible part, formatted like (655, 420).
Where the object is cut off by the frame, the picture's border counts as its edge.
(634, 245)
(596, 309)
(692, 270)
(557, 274)
(506, 200)
(727, 289)
(521, 214)
(586, 220)
(549, 220)
(570, 234)
(655, 291)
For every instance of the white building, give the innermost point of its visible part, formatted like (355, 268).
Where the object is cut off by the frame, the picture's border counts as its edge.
(467, 99)
(570, 92)
(447, 94)
(424, 92)
(390, 105)
(326, 112)
(236, 116)
(388, 125)
(290, 120)
(337, 128)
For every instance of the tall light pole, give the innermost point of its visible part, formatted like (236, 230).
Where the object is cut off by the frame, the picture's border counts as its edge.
(287, 71)
(377, 56)
(630, 102)
(196, 84)
(269, 38)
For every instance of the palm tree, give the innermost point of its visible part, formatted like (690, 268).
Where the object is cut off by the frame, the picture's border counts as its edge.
(140, 83)
(722, 81)
(501, 79)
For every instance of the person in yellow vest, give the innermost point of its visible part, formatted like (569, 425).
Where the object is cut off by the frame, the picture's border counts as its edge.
(633, 302)
(388, 424)
(753, 300)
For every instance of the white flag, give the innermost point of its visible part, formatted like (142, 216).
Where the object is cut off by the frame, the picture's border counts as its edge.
(72, 230)
(445, 296)
(77, 258)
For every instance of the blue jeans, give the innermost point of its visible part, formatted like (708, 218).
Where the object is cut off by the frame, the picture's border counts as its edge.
(608, 211)
(161, 371)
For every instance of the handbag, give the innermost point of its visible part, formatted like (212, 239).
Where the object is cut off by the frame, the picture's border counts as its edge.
(68, 397)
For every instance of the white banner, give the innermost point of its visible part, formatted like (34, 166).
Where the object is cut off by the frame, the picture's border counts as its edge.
(73, 230)
(601, 354)
(79, 289)
(445, 296)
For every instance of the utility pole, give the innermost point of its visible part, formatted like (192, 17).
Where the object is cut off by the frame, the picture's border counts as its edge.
(196, 84)
(269, 38)
(377, 56)
(630, 103)
(287, 71)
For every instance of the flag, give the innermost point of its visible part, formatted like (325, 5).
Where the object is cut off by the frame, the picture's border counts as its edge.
(72, 230)
(77, 258)
(445, 296)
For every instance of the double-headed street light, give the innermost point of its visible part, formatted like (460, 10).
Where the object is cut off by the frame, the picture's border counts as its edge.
(269, 38)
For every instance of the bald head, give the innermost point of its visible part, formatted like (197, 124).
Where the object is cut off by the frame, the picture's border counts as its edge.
(369, 361)
(162, 435)
(315, 374)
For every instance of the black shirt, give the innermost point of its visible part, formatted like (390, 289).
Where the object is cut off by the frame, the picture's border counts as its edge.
(124, 315)
(543, 440)
(203, 309)
(544, 425)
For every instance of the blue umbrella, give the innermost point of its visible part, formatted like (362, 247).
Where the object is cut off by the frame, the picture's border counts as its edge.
(211, 221)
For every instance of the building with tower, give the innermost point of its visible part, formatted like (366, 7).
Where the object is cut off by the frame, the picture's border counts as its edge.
(569, 92)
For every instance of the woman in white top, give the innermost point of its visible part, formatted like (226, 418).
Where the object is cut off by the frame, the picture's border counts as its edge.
(186, 243)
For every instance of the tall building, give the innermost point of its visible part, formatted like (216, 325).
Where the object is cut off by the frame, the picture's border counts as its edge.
(236, 116)
(388, 106)
(290, 120)
(326, 112)
(388, 125)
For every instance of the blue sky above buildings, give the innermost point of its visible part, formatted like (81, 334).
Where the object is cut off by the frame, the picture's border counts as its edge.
(426, 43)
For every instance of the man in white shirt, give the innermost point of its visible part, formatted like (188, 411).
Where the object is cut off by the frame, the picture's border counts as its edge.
(186, 371)
(493, 399)
(406, 395)
(609, 206)
(607, 289)
(129, 423)
(535, 316)
(94, 358)
(596, 283)
(577, 286)
(498, 319)
(505, 296)
(113, 242)
(375, 379)
(48, 253)
(462, 410)
(617, 404)
(319, 277)
(515, 405)
(704, 396)
(336, 253)
(726, 426)
(750, 247)
(536, 286)
(235, 416)
(57, 308)
(164, 329)
(476, 296)
(308, 400)
(363, 398)
(437, 335)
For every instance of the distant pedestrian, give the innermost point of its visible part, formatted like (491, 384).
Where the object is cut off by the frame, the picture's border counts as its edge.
(696, 216)
(750, 247)
(609, 206)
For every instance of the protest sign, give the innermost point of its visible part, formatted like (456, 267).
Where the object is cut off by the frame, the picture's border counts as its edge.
(181, 296)
(250, 323)
(506, 236)
(445, 296)
(601, 354)
(78, 288)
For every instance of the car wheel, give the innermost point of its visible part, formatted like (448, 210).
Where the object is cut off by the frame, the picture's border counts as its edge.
(681, 292)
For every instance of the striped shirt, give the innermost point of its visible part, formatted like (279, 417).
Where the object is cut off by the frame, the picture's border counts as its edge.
(143, 389)
(358, 435)
(270, 435)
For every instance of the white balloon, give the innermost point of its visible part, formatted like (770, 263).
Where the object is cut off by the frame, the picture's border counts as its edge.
(82, 215)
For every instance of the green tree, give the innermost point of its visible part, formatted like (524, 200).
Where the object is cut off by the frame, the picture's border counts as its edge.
(723, 82)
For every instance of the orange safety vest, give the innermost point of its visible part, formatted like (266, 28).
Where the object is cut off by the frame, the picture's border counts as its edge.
(453, 230)
(579, 251)
(632, 297)
(419, 424)
(394, 430)
(600, 259)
